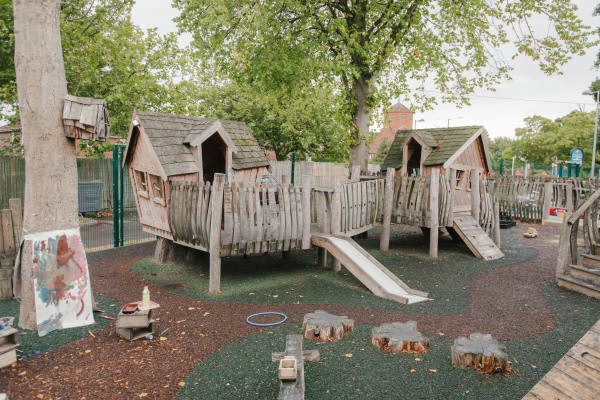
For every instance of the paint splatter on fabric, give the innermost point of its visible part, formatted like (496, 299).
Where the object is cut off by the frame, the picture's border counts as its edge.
(63, 296)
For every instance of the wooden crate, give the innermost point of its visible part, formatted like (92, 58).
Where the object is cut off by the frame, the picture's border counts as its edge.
(9, 340)
(136, 333)
(138, 319)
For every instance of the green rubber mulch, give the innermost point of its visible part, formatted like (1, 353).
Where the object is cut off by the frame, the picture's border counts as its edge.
(31, 344)
(353, 368)
(271, 279)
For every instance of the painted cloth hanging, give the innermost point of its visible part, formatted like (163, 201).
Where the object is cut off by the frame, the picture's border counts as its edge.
(63, 296)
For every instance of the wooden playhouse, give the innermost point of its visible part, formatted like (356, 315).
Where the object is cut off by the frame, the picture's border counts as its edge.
(166, 148)
(460, 149)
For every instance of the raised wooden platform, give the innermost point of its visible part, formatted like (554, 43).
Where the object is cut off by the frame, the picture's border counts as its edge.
(576, 375)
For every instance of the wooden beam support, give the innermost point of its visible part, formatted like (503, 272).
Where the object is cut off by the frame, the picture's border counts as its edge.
(475, 195)
(336, 218)
(306, 190)
(434, 194)
(386, 224)
(215, 233)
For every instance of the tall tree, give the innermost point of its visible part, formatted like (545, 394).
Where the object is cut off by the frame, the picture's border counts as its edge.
(51, 169)
(105, 56)
(378, 49)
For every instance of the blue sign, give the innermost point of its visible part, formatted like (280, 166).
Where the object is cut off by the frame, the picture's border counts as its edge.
(577, 156)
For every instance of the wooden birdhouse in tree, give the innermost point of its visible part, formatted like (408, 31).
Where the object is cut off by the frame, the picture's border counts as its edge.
(86, 118)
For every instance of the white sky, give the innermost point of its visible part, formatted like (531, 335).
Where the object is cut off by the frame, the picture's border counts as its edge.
(499, 116)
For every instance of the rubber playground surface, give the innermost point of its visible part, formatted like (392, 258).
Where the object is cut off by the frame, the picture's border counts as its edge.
(207, 350)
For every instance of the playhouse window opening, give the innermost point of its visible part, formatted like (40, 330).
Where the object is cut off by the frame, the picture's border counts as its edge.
(158, 192)
(459, 177)
(142, 182)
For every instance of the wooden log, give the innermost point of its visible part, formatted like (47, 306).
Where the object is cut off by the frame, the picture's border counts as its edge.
(399, 337)
(496, 236)
(306, 190)
(7, 231)
(16, 212)
(569, 194)
(215, 233)
(481, 352)
(475, 194)
(386, 224)
(562, 262)
(336, 218)
(434, 208)
(324, 326)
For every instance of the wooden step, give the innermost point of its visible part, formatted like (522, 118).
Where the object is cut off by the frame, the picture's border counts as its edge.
(586, 274)
(591, 261)
(578, 285)
(475, 238)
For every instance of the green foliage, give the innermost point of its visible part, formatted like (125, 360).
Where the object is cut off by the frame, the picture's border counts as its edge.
(106, 56)
(373, 51)
(541, 138)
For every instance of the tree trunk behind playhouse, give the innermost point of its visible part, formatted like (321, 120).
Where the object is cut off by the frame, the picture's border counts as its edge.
(360, 118)
(50, 165)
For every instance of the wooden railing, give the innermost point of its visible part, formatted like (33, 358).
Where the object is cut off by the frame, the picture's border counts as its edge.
(568, 243)
(361, 205)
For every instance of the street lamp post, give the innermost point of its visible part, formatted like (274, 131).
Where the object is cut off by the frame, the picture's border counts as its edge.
(588, 92)
(449, 119)
(418, 120)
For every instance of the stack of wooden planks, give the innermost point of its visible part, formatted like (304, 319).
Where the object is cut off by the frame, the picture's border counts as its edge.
(86, 118)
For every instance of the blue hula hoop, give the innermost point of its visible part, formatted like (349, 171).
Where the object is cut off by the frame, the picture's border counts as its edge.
(266, 313)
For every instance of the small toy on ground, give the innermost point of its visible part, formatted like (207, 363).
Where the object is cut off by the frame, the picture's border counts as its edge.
(399, 337)
(480, 351)
(288, 368)
(531, 233)
(291, 367)
(324, 326)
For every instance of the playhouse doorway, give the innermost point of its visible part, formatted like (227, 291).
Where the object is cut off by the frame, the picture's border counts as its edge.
(214, 161)
(413, 165)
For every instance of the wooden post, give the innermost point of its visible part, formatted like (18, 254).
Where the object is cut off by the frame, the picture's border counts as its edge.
(475, 195)
(573, 241)
(216, 219)
(285, 180)
(336, 218)
(562, 263)
(548, 189)
(386, 224)
(306, 210)
(496, 226)
(452, 180)
(434, 195)
(569, 194)
(17, 219)
(7, 231)
(321, 257)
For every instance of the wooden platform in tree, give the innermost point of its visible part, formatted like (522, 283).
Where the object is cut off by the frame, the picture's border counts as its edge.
(576, 375)
(478, 241)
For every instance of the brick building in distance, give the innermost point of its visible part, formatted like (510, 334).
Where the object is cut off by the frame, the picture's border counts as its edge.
(398, 117)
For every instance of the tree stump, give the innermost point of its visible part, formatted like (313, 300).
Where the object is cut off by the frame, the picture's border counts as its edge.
(324, 326)
(481, 352)
(399, 336)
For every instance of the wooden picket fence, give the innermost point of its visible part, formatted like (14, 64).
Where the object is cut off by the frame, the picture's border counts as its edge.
(361, 205)
(255, 218)
(486, 207)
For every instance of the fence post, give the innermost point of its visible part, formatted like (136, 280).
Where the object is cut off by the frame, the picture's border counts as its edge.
(434, 195)
(452, 180)
(386, 224)
(548, 190)
(475, 196)
(121, 197)
(336, 218)
(306, 210)
(562, 263)
(569, 194)
(215, 233)
(115, 186)
(496, 226)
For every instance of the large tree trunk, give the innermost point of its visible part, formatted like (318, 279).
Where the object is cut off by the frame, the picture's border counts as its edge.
(50, 163)
(361, 117)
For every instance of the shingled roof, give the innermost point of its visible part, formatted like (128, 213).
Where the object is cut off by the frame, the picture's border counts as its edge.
(399, 107)
(444, 142)
(167, 133)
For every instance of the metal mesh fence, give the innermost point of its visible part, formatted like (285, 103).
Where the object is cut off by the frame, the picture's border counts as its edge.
(95, 196)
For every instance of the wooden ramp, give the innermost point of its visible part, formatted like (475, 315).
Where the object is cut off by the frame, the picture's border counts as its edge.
(576, 375)
(377, 278)
(478, 241)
